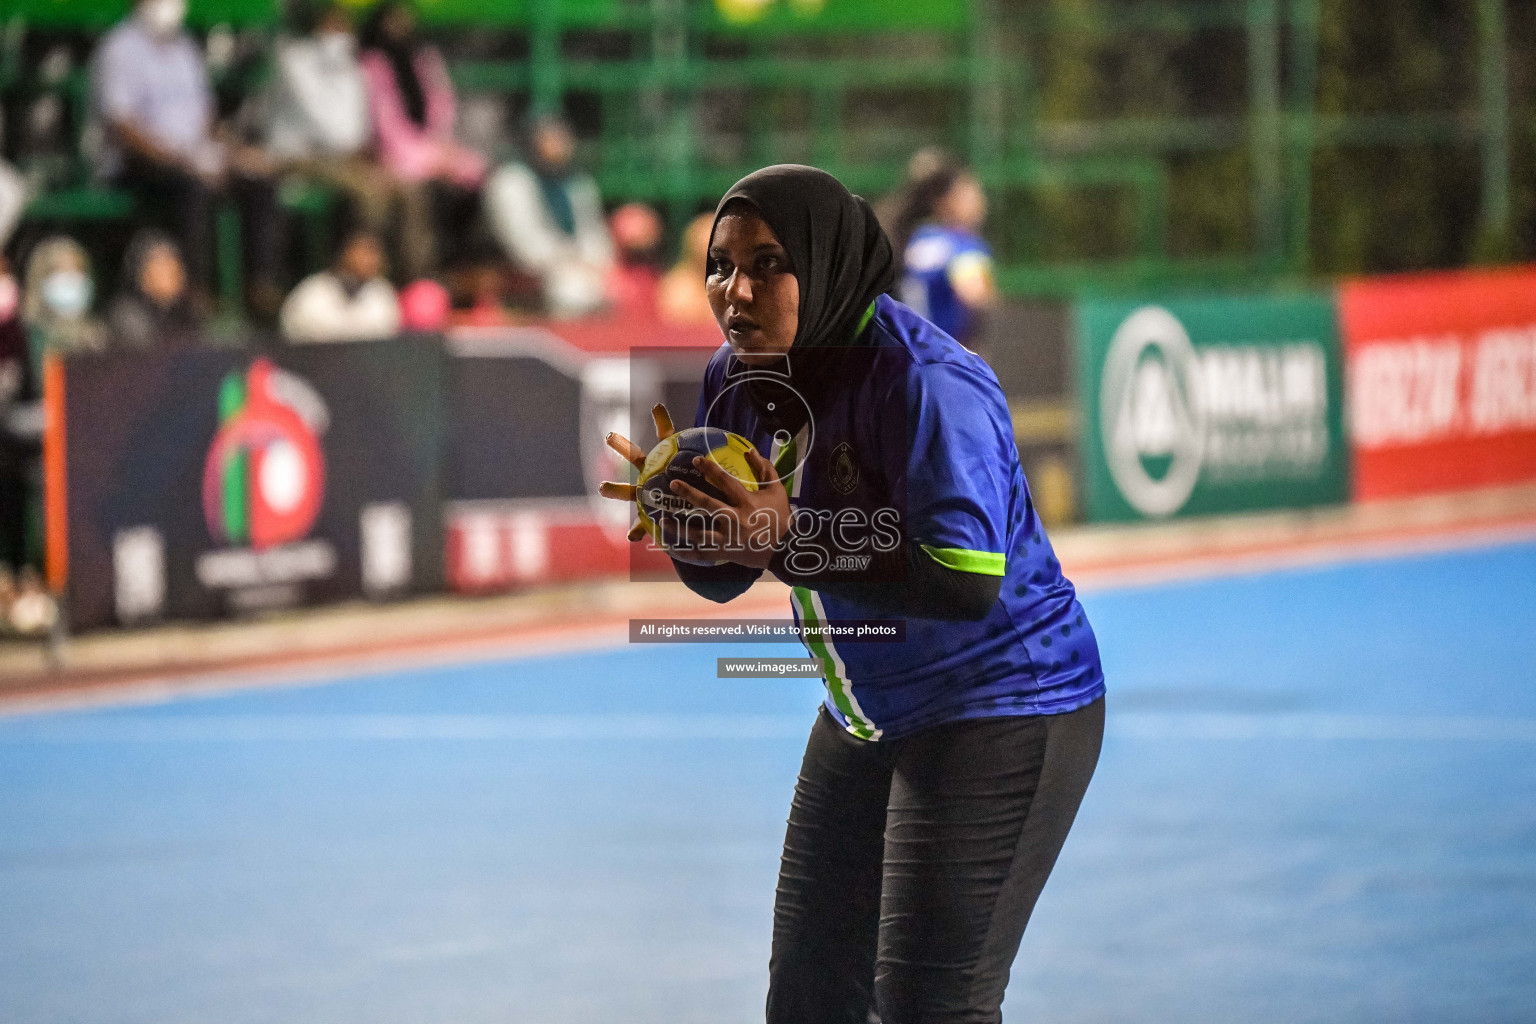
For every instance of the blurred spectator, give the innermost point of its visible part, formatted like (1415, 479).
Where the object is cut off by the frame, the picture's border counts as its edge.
(486, 288)
(25, 605)
(548, 216)
(682, 299)
(350, 302)
(152, 95)
(412, 105)
(947, 267)
(922, 164)
(18, 441)
(320, 128)
(13, 199)
(154, 308)
(424, 306)
(632, 284)
(13, 346)
(56, 301)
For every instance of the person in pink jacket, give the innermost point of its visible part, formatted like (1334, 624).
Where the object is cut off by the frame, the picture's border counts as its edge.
(412, 105)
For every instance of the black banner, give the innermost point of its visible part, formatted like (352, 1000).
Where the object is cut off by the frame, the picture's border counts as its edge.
(204, 483)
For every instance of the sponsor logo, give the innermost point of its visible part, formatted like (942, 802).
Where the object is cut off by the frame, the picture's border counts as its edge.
(138, 573)
(263, 486)
(384, 529)
(663, 501)
(1152, 415)
(264, 478)
(1173, 414)
(1417, 390)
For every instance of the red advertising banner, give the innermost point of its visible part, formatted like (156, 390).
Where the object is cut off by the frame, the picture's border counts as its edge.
(1442, 381)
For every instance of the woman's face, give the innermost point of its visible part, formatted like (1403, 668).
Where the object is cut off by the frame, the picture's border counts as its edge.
(362, 259)
(553, 144)
(752, 288)
(162, 277)
(964, 205)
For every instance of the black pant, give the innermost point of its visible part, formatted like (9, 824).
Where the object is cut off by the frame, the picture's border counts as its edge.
(185, 205)
(911, 866)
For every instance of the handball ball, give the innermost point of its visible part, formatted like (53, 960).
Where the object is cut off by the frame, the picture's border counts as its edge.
(672, 459)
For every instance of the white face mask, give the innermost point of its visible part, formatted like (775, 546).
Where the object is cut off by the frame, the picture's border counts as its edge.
(337, 47)
(163, 17)
(67, 293)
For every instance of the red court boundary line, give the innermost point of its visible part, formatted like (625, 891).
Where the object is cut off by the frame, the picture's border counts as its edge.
(543, 637)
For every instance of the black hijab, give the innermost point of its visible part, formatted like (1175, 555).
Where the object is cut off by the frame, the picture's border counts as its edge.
(401, 54)
(842, 261)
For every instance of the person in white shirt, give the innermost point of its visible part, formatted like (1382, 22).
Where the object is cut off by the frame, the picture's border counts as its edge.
(548, 216)
(351, 302)
(319, 128)
(13, 199)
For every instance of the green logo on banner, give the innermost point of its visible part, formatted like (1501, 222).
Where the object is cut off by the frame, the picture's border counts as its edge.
(1210, 405)
(1152, 417)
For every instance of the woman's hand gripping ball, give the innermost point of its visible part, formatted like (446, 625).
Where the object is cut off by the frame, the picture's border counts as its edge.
(704, 494)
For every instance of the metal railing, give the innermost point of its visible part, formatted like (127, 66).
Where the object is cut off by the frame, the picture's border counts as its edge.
(801, 86)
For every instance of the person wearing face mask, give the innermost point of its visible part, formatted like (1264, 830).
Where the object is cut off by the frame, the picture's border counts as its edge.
(56, 304)
(548, 216)
(154, 309)
(154, 103)
(319, 128)
(352, 301)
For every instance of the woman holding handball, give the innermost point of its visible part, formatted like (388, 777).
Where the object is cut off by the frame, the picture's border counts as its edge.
(944, 770)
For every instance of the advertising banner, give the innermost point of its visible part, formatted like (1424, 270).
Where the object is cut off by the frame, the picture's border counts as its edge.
(1209, 405)
(1442, 381)
(204, 483)
(527, 413)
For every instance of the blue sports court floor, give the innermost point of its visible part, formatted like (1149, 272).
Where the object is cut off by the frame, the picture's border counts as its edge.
(1317, 803)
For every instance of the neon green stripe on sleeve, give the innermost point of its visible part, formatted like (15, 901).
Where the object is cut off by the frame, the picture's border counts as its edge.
(984, 563)
(869, 314)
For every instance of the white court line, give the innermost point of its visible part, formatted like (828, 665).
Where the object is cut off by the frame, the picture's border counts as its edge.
(266, 728)
(1322, 727)
(344, 667)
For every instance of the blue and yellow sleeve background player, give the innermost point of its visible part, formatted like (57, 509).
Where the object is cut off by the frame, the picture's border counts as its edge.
(934, 267)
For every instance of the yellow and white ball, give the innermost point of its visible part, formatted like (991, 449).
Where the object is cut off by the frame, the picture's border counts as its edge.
(672, 459)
